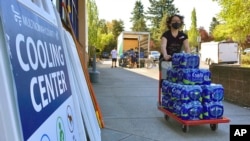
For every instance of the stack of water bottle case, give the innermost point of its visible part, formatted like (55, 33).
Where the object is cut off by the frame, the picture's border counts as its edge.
(187, 91)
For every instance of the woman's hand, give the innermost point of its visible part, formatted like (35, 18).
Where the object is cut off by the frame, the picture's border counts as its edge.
(167, 57)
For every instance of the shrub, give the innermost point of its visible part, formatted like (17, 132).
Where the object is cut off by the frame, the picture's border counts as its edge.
(245, 59)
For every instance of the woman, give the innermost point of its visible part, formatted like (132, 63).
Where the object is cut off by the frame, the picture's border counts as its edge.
(173, 39)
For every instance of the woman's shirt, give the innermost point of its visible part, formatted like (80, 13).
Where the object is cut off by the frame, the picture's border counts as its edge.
(174, 44)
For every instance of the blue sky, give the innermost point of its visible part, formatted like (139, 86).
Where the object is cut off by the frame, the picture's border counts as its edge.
(121, 9)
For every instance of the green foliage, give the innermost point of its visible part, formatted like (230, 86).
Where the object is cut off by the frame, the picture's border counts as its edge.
(138, 18)
(156, 33)
(103, 27)
(157, 14)
(163, 25)
(193, 32)
(107, 34)
(106, 40)
(92, 24)
(101, 34)
(245, 60)
(213, 24)
(157, 10)
(118, 27)
(234, 16)
(221, 32)
(139, 25)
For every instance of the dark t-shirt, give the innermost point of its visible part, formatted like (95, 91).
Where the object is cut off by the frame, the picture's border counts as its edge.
(174, 44)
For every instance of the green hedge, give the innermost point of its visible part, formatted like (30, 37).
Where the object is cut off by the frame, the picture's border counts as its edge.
(245, 59)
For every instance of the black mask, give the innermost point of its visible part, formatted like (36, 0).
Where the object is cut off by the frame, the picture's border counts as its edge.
(176, 25)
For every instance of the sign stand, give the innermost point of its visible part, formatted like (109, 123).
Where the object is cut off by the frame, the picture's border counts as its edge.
(8, 111)
(42, 99)
(85, 70)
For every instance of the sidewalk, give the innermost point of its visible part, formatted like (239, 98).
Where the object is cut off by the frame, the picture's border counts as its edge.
(128, 102)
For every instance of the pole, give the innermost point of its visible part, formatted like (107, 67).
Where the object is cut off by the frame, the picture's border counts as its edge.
(139, 52)
(94, 74)
(94, 61)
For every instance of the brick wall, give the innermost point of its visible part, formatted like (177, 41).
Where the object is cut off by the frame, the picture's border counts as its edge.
(236, 82)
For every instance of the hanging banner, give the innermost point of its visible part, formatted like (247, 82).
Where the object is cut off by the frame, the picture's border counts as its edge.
(39, 68)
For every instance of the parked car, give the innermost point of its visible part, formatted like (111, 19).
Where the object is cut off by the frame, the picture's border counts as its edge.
(246, 51)
(105, 55)
(155, 55)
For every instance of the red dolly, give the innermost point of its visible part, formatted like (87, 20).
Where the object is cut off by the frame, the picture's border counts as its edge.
(186, 123)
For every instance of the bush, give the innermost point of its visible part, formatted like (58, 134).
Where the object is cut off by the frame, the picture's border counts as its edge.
(245, 59)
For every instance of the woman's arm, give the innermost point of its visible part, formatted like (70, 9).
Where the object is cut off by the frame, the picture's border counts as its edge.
(163, 49)
(186, 46)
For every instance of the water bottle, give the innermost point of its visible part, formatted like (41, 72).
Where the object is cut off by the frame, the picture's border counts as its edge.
(194, 76)
(196, 111)
(164, 86)
(206, 76)
(178, 91)
(191, 93)
(176, 57)
(165, 101)
(213, 110)
(177, 108)
(192, 111)
(193, 61)
(180, 73)
(186, 76)
(188, 60)
(194, 92)
(184, 61)
(212, 92)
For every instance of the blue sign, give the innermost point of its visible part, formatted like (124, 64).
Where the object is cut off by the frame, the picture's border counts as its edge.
(38, 64)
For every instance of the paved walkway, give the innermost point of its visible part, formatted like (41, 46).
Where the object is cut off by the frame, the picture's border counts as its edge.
(128, 100)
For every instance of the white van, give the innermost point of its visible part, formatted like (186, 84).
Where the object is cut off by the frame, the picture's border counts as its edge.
(219, 52)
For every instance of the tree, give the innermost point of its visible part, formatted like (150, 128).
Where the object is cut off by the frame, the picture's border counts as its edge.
(159, 31)
(157, 10)
(155, 14)
(107, 42)
(102, 38)
(221, 32)
(103, 26)
(92, 24)
(213, 24)
(138, 17)
(193, 32)
(235, 17)
(117, 28)
(107, 31)
(204, 36)
(163, 26)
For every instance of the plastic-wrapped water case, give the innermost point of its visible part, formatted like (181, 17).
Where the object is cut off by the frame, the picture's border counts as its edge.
(185, 60)
(172, 75)
(164, 87)
(192, 111)
(194, 76)
(212, 92)
(177, 91)
(206, 76)
(189, 61)
(191, 93)
(167, 87)
(167, 103)
(213, 110)
(176, 60)
(177, 107)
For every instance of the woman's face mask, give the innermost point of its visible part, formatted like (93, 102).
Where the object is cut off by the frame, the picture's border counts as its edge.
(176, 25)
